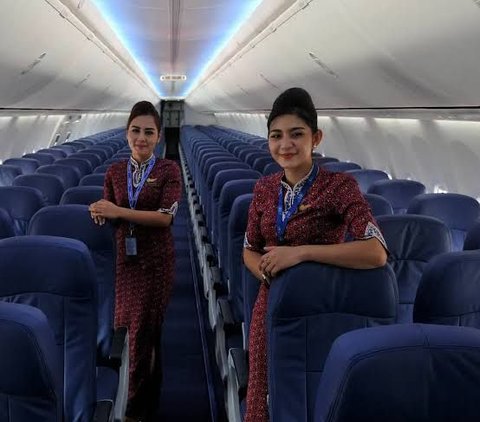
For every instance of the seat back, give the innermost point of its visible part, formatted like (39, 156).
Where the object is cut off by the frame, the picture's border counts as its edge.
(8, 173)
(68, 174)
(20, 203)
(50, 185)
(6, 225)
(458, 212)
(397, 373)
(74, 222)
(340, 166)
(96, 179)
(472, 240)
(378, 204)
(57, 276)
(366, 177)
(30, 385)
(84, 195)
(41, 157)
(302, 324)
(399, 192)
(27, 165)
(449, 290)
(57, 152)
(82, 166)
(412, 240)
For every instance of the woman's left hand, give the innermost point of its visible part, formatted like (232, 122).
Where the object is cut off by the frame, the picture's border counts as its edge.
(105, 209)
(278, 258)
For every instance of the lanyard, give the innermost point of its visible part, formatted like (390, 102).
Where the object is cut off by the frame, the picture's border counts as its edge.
(133, 197)
(282, 220)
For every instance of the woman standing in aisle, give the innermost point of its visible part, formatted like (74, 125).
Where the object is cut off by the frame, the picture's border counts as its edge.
(142, 194)
(299, 214)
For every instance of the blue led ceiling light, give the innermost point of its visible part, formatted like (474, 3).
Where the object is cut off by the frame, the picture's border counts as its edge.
(243, 9)
(112, 14)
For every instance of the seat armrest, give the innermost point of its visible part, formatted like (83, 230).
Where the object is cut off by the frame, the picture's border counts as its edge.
(119, 342)
(239, 362)
(103, 411)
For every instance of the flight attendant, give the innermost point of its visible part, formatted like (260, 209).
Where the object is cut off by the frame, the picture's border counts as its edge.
(299, 214)
(142, 194)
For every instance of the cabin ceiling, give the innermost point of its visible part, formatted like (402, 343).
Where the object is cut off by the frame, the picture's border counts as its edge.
(355, 54)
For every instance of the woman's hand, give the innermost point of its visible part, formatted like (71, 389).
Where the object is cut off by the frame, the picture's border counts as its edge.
(279, 258)
(103, 209)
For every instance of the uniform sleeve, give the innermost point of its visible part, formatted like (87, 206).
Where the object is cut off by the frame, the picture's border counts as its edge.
(172, 191)
(254, 240)
(355, 211)
(108, 192)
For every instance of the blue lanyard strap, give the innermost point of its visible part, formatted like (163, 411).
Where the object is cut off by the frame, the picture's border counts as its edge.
(282, 220)
(133, 196)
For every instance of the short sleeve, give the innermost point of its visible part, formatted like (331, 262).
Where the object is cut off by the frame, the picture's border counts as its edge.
(172, 190)
(108, 192)
(254, 240)
(355, 211)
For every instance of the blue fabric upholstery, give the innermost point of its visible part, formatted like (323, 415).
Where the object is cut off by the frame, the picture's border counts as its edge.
(30, 385)
(472, 241)
(340, 166)
(399, 192)
(68, 174)
(378, 204)
(102, 169)
(6, 225)
(400, 373)
(323, 160)
(84, 195)
(412, 240)
(74, 222)
(92, 158)
(42, 158)
(309, 306)
(82, 166)
(271, 168)
(366, 177)
(8, 173)
(27, 165)
(50, 185)
(449, 290)
(95, 179)
(57, 152)
(236, 227)
(98, 151)
(57, 276)
(20, 203)
(458, 212)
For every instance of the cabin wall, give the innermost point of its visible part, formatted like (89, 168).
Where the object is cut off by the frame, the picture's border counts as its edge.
(442, 154)
(22, 132)
(192, 117)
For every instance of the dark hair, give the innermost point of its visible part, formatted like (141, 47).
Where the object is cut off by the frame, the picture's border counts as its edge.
(145, 108)
(295, 101)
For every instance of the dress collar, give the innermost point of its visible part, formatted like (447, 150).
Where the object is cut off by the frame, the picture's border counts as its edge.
(299, 184)
(141, 166)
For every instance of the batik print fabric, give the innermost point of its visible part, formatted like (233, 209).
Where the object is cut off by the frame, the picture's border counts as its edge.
(143, 282)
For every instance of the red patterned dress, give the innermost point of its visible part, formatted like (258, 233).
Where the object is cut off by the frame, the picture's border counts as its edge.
(332, 207)
(144, 282)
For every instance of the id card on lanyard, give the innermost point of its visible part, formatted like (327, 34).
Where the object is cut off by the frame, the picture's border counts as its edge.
(284, 218)
(130, 239)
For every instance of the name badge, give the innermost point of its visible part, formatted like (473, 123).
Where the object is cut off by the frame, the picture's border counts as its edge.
(131, 246)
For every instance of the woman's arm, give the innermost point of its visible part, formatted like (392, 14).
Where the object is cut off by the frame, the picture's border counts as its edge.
(107, 209)
(359, 254)
(251, 260)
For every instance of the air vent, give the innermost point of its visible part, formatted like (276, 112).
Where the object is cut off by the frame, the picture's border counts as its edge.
(33, 64)
(168, 78)
(325, 68)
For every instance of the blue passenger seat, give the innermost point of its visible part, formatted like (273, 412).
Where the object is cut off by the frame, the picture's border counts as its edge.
(399, 192)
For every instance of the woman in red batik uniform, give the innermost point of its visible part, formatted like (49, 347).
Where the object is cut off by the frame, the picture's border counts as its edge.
(143, 194)
(300, 214)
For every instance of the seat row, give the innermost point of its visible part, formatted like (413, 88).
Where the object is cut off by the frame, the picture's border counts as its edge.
(63, 265)
(220, 182)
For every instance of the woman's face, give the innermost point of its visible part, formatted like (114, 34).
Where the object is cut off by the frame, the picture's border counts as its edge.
(291, 142)
(142, 136)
